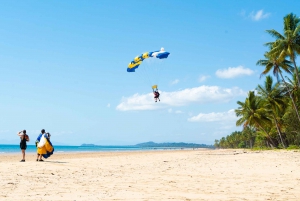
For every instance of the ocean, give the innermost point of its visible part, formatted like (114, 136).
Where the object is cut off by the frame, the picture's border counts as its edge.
(60, 148)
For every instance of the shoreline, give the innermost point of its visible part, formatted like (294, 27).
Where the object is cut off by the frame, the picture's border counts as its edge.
(84, 149)
(109, 152)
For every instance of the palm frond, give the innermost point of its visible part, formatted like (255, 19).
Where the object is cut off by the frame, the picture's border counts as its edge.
(275, 34)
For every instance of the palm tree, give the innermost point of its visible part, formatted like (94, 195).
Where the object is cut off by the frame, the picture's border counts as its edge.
(217, 143)
(222, 142)
(274, 99)
(293, 87)
(272, 62)
(287, 44)
(253, 113)
(249, 133)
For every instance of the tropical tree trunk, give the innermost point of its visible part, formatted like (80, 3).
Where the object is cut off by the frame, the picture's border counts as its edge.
(293, 102)
(296, 71)
(250, 143)
(272, 142)
(279, 132)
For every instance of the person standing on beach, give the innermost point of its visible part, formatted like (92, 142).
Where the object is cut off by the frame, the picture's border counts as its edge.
(45, 148)
(24, 138)
(39, 156)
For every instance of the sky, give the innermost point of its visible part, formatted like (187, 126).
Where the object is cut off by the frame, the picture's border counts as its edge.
(64, 68)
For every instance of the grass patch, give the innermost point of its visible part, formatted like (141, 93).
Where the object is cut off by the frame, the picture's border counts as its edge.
(291, 147)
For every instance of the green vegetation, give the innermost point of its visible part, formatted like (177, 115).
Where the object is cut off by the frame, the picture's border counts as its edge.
(270, 116)
(293, 147)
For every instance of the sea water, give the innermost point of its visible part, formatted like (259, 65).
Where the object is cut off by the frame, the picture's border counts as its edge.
(60, 148)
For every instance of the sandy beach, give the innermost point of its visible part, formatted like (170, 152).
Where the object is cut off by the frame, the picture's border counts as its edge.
(153, 175)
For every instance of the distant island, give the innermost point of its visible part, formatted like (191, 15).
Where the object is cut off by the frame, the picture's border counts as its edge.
(165, 144)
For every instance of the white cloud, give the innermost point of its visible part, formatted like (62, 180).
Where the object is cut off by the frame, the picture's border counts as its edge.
(201, 95)
(259, 15)
(108, 105)
(232, 72)
(175, 82)
(170, 110)
(202, 78)
(214, 117)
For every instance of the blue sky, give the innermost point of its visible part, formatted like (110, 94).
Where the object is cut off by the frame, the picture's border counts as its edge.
(63, 68)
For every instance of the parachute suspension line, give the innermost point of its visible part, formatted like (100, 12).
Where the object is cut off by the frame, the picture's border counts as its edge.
(158, 68)
(146, 71)
(141, 75)
(152, 68)
(145, 75)
(159, 71)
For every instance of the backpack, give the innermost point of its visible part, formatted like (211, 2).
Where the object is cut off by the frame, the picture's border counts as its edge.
(26, 137)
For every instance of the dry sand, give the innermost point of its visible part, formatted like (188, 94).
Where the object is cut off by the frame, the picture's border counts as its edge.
(153, 175)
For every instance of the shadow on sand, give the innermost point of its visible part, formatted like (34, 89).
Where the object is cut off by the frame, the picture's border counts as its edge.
(54, 162)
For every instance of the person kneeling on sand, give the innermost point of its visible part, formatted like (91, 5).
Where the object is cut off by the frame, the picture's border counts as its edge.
(23, 145)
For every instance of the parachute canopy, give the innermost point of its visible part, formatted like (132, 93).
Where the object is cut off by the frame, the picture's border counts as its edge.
(161, 54)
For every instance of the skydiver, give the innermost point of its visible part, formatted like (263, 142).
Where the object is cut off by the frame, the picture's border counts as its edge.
(156, 95)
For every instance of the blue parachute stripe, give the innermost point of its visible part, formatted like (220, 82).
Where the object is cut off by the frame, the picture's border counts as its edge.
(132, 69)
(163, 55)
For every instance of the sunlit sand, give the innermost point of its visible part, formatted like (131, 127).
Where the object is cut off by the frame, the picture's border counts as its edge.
(153, 175)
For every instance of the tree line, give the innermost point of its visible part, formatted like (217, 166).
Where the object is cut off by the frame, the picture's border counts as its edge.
(270, 114)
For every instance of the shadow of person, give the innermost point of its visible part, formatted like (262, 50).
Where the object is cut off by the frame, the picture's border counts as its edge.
(55, 162)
